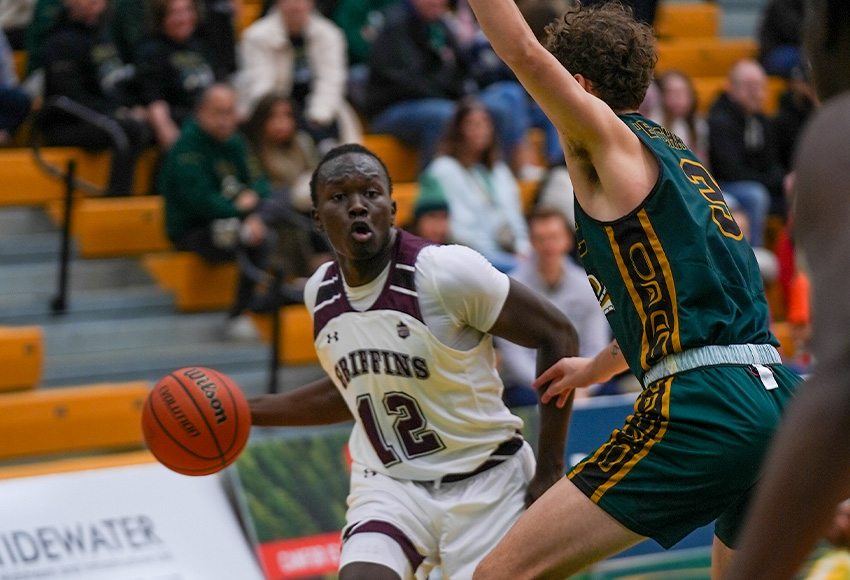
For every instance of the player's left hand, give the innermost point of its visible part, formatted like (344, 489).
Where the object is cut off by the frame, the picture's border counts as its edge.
(539, 484)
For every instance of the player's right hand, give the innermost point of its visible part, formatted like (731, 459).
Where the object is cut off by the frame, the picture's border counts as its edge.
(563, 377)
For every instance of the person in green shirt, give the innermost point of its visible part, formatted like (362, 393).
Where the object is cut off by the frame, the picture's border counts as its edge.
(213, 199)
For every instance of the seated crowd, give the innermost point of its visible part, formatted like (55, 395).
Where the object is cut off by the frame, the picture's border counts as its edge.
(240, 125)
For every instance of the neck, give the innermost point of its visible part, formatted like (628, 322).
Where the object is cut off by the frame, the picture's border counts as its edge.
(358, 272)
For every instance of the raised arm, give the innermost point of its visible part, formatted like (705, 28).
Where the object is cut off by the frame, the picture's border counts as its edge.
(579, 116)
(317, 403)
(530, 321)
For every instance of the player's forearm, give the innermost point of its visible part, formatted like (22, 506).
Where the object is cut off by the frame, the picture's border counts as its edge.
(318, 403)
(609, 362)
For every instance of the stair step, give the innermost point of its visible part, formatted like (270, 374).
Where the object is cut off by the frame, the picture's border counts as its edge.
(19, 221)
(41, 278)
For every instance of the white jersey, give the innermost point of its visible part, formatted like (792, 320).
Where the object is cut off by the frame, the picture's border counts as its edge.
(424, 409)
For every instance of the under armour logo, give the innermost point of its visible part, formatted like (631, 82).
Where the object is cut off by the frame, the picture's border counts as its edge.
(369, 472)
(333, 337)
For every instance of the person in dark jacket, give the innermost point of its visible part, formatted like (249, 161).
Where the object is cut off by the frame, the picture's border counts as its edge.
(417, 72)
(780, 37)
(81, 63)
(796, 106)
(742, 147)
(173, 68)
(213, 198)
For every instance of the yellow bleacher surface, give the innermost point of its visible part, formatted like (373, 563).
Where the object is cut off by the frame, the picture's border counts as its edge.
(21, 357)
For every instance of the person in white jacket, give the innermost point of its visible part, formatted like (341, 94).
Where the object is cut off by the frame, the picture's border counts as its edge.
(297, 52)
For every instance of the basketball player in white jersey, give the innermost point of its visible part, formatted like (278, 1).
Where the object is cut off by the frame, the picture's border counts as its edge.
(404, 330)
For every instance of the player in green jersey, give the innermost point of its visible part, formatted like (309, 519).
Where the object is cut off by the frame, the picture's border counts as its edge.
(808, 471)
(681, 290)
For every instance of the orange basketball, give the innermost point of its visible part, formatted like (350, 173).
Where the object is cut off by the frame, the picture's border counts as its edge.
(196, 421)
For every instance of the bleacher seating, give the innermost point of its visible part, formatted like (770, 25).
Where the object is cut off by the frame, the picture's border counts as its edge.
(687, 20)
(196, 284)
(21, 357)
(89, 418)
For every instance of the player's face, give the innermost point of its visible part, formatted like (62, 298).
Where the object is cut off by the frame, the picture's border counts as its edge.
(353, 206)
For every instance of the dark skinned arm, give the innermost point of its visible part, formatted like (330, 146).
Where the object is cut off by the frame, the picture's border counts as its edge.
(529, 320)
(316, 403)
(808, 468)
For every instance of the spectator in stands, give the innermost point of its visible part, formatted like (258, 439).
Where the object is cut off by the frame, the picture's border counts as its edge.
(44, 17)
(287, 157)
(484, 204)
(780, 37)
(297, 52)
(360, 21)
(15, 16)
(796, 106)
(129, 23)
(678, 112)
(82, 64)
(217, 29)
(431, 217)
(212, 199)
(15, 104)
(553, 274)
(417, 72)
(742, 147)
(173, 68)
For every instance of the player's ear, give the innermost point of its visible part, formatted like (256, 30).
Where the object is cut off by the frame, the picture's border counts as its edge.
(393, 212)
(317, 220)
(585, 83)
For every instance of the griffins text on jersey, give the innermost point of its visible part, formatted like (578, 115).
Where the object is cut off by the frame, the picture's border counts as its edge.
(380, 362)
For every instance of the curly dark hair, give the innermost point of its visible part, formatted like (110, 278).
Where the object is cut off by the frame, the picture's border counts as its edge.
(606, 45)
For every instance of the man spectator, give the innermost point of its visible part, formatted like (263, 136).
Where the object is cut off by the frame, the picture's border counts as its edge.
(417, 72)
(212, 199)
(82, 64)
(554, 274)
(297, 52)
(742, 147)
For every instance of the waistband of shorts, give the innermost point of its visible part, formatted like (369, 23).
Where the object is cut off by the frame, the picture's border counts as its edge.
(711, 355)
(504, 451)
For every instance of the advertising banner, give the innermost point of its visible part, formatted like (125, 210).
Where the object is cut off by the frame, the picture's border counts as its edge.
(140, 522)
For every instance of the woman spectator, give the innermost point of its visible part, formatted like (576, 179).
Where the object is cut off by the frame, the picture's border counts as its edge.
(287, 157)
(678, 112)
(82, 64)
(173, 68)
(483, 195)
(299, 53)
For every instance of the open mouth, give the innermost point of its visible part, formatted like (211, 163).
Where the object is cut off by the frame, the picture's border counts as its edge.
(361, 232)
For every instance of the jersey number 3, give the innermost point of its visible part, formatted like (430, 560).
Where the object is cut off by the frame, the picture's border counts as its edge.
(699, 176)
(410, 427)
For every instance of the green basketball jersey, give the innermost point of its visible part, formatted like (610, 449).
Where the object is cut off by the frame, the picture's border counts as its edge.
(676, 272)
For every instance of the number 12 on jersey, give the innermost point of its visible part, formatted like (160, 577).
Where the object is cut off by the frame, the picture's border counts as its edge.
(409, 424)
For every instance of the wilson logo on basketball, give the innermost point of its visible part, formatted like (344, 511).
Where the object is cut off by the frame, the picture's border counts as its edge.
(208, 387)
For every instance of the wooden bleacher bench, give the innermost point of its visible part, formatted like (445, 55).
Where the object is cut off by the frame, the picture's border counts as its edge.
(21, 357)
(196, 284)
(250, 12)
(116, 226)
(687, 20)
(84, 419)
(401, 161)
(76, 464)
(25, 183)
(296, 335)
(20, 57)
(703, 57)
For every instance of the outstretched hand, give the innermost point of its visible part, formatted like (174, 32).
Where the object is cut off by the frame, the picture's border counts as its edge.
(562, 378)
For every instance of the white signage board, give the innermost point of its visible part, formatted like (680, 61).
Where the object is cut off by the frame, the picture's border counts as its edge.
(141, 522)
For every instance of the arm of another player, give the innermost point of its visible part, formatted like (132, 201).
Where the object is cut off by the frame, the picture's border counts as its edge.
(568, 374)
(530, 321)
(808, 468)
(316, 403)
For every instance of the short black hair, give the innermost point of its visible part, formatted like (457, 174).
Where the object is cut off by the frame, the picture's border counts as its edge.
(339, 152)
